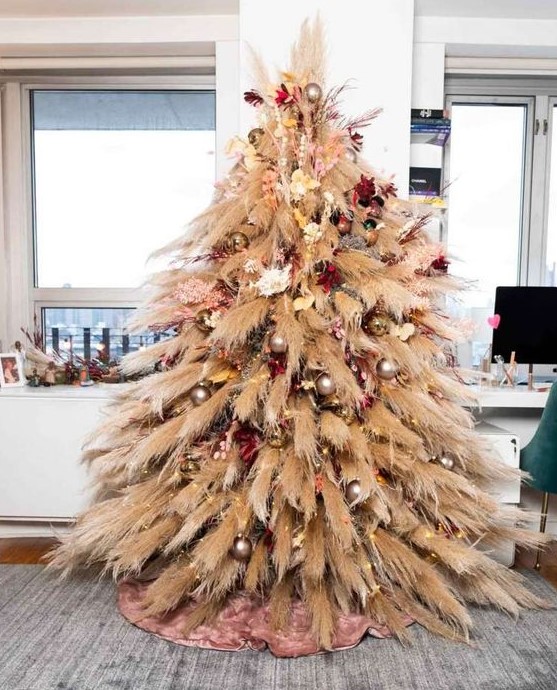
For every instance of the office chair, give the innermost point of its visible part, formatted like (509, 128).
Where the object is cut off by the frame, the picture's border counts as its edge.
(539, 458)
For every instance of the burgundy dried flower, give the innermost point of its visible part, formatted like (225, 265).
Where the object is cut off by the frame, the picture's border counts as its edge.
(277, 365)
(249, 443)
(357, 139)
(329, 277)
(283, 97)
(440, 264)
(364, 190)
(253, 97)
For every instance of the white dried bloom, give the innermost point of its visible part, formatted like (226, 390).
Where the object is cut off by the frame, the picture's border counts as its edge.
(273, 281)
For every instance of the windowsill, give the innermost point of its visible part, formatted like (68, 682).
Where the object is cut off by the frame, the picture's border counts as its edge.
(99, 390)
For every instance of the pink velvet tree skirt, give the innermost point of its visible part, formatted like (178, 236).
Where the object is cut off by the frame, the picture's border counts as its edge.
(244, 624)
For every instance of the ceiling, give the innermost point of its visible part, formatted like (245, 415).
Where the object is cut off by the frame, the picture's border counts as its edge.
(522, 9)
(116, 8)
(509, 9)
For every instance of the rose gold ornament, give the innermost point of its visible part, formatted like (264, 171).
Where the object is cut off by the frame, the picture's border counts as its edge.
(278, 344)
(386, 370)
(203, 320)
(241, 548)
(344, 225)
(353, 491)
(200, 393)
(313, 92)
(325, 385)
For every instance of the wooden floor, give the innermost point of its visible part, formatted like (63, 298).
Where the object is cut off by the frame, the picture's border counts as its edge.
(32, 551)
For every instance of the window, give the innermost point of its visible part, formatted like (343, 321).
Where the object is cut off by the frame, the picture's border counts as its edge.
(98, 174)
(117, 174)
(501, 178)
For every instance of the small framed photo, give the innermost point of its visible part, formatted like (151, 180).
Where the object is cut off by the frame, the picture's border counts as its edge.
(11, 370)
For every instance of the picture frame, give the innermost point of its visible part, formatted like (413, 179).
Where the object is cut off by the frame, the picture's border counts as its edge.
(12, 374)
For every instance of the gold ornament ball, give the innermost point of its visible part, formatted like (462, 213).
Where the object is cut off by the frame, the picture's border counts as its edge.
(241, 548)
(200, 394)
(446, 462)
(347, 415)
(325, 385)
(278, 344)
(276, 439)
(203, 320)
(344, 225)
(255, 136)
(376, 324)
(353, 491)
(332, 402)
(371, 237)
(313, 92)
(238, 241)
(386, 370)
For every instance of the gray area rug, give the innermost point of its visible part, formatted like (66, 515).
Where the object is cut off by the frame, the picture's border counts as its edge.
(69, 636)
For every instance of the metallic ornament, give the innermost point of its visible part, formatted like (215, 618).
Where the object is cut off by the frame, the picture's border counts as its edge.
(241, 548)
(278, 344)
(386, 369)
(203, 320)
(331, 402)
(369, 224)
(200, 393)
(446, 462)
(376, 323)
(353, 491)
(237, 242)
(276, 439)
(344, 225)
(313, 92)
(347, 415)
(325, 385)
(255, 136)
(371, 237)
(351, 155)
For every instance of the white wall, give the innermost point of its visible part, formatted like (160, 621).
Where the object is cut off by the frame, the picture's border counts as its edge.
(369, 44)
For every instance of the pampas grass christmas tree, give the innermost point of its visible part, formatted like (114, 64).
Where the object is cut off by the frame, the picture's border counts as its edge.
(304, 443)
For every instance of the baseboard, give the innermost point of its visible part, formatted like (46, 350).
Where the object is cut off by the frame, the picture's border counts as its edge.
(13, 529)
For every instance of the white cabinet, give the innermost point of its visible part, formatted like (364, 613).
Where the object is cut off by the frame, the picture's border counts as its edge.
(507, 447)
(41, 436)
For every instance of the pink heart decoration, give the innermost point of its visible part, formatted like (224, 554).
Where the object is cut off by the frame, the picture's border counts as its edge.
(494, 320)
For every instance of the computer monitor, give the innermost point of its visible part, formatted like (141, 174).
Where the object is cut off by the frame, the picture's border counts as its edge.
(528, 324)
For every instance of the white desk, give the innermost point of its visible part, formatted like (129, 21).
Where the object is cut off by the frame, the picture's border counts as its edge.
(517, 410)
(42, 431)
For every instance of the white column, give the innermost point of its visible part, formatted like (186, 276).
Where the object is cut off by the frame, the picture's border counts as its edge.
(227, 69)
(368, 44)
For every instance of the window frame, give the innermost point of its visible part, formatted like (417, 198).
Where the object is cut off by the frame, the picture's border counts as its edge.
(18, 292)
(539, 94)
